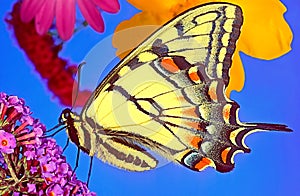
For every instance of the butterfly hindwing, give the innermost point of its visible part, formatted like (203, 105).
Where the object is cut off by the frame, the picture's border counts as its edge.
(126, 155)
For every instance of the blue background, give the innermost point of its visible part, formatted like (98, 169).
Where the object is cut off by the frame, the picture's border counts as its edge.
(271, 94)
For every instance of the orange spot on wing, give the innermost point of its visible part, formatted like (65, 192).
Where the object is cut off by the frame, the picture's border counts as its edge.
(195, 141)
(190, 112)
(169, 65)
(226, 113)
(203, 163)
(194, 76)
(213, 93)
(181, 99)
(194, 125)
(224, 154)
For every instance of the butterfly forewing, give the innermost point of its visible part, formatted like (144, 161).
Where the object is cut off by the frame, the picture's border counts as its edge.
(168, 96)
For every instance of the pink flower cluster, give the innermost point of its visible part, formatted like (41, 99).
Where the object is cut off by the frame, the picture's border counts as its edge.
(29, 163)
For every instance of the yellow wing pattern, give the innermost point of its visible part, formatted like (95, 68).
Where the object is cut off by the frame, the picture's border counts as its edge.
(168, 96)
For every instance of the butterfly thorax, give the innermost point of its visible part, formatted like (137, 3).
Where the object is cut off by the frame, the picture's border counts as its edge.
(74, 130)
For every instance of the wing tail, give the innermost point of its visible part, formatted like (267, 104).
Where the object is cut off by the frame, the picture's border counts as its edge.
(237, 136)
(270, 127)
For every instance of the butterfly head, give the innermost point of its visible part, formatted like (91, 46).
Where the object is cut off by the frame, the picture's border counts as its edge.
(66, 116)
(73, 123)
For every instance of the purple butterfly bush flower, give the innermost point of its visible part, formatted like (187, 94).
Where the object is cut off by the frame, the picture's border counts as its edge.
(29, 163)
(7, 142)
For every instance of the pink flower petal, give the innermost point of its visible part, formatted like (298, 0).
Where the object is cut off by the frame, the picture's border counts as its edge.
(111, 6)
(44, 17)
(65, 18)
(91, 14)
(30, 8)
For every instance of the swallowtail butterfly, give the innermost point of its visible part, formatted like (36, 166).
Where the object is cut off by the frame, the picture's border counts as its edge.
(168, 97)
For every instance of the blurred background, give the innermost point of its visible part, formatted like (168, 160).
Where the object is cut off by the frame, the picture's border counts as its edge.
(271, 94)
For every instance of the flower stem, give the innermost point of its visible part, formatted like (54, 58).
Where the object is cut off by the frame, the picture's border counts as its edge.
(10, 167)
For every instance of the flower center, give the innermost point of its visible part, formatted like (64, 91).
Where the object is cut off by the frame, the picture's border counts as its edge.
(45, 168)
(4, 142)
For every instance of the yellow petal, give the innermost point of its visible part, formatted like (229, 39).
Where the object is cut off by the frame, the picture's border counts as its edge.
(265, 33)
(237, 75)
(130, 33)
(153, 5)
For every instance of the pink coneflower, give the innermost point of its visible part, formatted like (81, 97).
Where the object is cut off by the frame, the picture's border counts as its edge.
(64, 13)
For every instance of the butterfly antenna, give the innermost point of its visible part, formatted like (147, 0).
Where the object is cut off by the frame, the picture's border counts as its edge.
(90, 171)
(78, 78)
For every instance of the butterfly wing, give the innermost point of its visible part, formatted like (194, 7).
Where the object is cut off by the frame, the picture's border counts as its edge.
(167, 95)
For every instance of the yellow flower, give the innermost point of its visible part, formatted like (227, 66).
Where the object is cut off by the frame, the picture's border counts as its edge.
(265, 34)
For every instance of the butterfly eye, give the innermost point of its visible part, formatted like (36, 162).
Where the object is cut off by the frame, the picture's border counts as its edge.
(65, 115)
